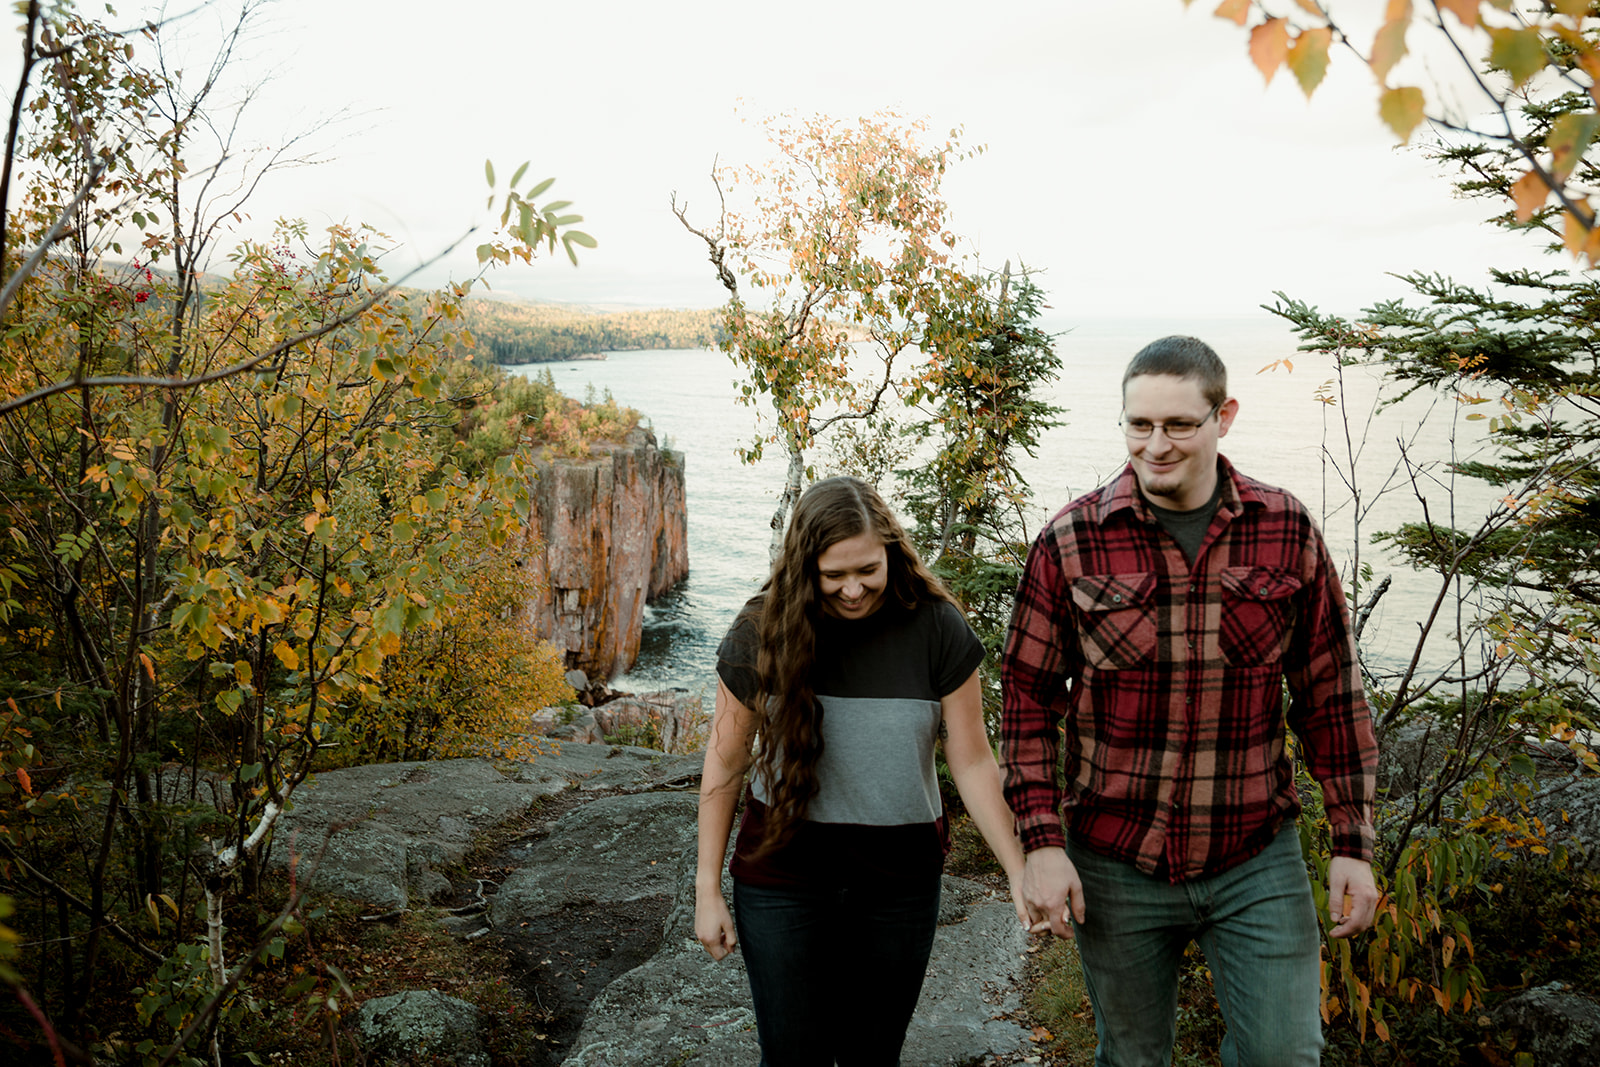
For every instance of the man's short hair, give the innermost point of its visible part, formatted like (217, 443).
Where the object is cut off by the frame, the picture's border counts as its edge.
(1181, 357)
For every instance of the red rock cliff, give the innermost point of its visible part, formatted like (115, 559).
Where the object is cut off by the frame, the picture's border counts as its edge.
(612, 533)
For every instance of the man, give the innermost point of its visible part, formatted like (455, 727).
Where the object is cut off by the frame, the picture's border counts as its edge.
(1143, 741)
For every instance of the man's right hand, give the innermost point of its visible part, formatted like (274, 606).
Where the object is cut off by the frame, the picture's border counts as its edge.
(1050, 885)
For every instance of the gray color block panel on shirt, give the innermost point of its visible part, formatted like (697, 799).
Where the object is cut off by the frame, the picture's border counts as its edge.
(877, 762)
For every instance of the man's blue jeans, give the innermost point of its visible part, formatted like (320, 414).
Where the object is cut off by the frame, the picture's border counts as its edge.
(835, 971)
(1257, 926)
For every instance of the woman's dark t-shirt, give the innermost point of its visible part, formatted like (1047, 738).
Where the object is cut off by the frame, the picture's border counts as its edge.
(880, 680)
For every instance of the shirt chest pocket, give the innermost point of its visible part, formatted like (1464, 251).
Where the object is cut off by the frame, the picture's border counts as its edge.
(1116, 619)
(1258, 614)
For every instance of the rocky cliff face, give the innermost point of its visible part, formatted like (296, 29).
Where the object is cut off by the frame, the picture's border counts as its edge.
(611, 535)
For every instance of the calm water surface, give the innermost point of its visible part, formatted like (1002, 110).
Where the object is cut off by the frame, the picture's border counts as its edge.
(688, 397)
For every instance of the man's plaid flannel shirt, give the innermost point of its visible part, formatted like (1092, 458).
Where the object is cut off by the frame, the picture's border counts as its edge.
(1168, 680)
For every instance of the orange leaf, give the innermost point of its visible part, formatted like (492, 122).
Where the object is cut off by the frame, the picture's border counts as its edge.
(1402, 110)
(1576, 235)
(1310, 7)
(1398, 11)
(1237, 10)
(1388, 47)
(1530, 193)
(1465, 11)
(1308, 57)
(26, 782)
(149, 668)
(1269, 46)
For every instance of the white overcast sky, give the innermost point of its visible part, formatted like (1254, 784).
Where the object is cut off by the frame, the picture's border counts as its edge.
(1133, 153)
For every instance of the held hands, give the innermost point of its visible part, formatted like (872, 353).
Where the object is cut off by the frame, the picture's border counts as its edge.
(1352, 895)
(713, 923)
(1050, 885)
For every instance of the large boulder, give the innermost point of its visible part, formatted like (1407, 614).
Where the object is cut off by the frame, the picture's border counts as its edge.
(420, 1027)
(674, 718)
(1560, 1029)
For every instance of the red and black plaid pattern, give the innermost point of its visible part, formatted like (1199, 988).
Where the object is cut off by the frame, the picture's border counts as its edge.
(1144, 696)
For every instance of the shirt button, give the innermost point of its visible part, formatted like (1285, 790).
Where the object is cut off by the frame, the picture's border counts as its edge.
(1263, 590)
(1116, 598)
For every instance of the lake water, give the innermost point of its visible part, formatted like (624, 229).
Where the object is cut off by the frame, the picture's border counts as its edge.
(688, 397)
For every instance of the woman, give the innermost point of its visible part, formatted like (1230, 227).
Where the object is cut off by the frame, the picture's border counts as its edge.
(839, 674)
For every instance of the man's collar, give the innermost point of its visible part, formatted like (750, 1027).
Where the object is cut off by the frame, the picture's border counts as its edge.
(1237, 493)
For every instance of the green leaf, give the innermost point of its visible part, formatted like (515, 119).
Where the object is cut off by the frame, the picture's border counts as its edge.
(541, 188)
(517, 177)
(1570, 137)
(485, 251)
(578, 237)
(488, 171)
(1402, 110)
(1520, 53)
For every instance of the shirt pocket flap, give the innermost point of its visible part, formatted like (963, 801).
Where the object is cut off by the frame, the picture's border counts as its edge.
(1259, 583)
(1112, 592)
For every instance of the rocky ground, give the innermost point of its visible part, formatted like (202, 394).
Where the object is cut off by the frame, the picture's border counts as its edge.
(592, 896)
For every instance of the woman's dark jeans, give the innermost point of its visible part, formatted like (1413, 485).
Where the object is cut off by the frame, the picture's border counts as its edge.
(835, 971)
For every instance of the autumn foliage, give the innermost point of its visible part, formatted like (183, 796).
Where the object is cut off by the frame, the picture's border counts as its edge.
(240, 539)
(1502, 55)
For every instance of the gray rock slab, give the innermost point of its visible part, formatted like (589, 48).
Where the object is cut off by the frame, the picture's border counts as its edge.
(683, 1008)
(595, 768)
(395, 822)
(611, 850)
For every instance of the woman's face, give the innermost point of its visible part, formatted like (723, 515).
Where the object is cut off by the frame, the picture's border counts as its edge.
(852, 575)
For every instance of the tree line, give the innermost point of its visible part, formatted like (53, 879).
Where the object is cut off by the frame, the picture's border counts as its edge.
(513, 333)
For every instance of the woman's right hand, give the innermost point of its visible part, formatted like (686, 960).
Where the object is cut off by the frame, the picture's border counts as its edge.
(713, 924)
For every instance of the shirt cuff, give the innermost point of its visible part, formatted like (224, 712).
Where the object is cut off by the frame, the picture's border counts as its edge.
(1353, 840)
(1042, 830)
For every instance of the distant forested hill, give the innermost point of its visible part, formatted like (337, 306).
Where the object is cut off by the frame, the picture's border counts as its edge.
(532, 333)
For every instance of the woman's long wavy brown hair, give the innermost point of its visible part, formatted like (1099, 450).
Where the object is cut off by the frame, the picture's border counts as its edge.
(789, 718)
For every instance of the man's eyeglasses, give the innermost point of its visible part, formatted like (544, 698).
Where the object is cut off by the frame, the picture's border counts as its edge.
(1175, 429)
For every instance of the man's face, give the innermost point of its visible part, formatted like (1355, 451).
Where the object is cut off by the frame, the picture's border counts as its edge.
(1181, 474)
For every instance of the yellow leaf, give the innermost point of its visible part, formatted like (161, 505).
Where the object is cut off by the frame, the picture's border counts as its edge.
(1308, 57)
(1575, 9)
(1237, 10)
(1402, 110)
(1465, 11)
(286, 655)
(1530, 192)
(1388, 47)
(311, 521)
(1520, 53)
(1269, 46)
(1398, 11)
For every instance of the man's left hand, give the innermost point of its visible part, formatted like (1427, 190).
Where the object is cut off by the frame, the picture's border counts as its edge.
(1352, 895)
